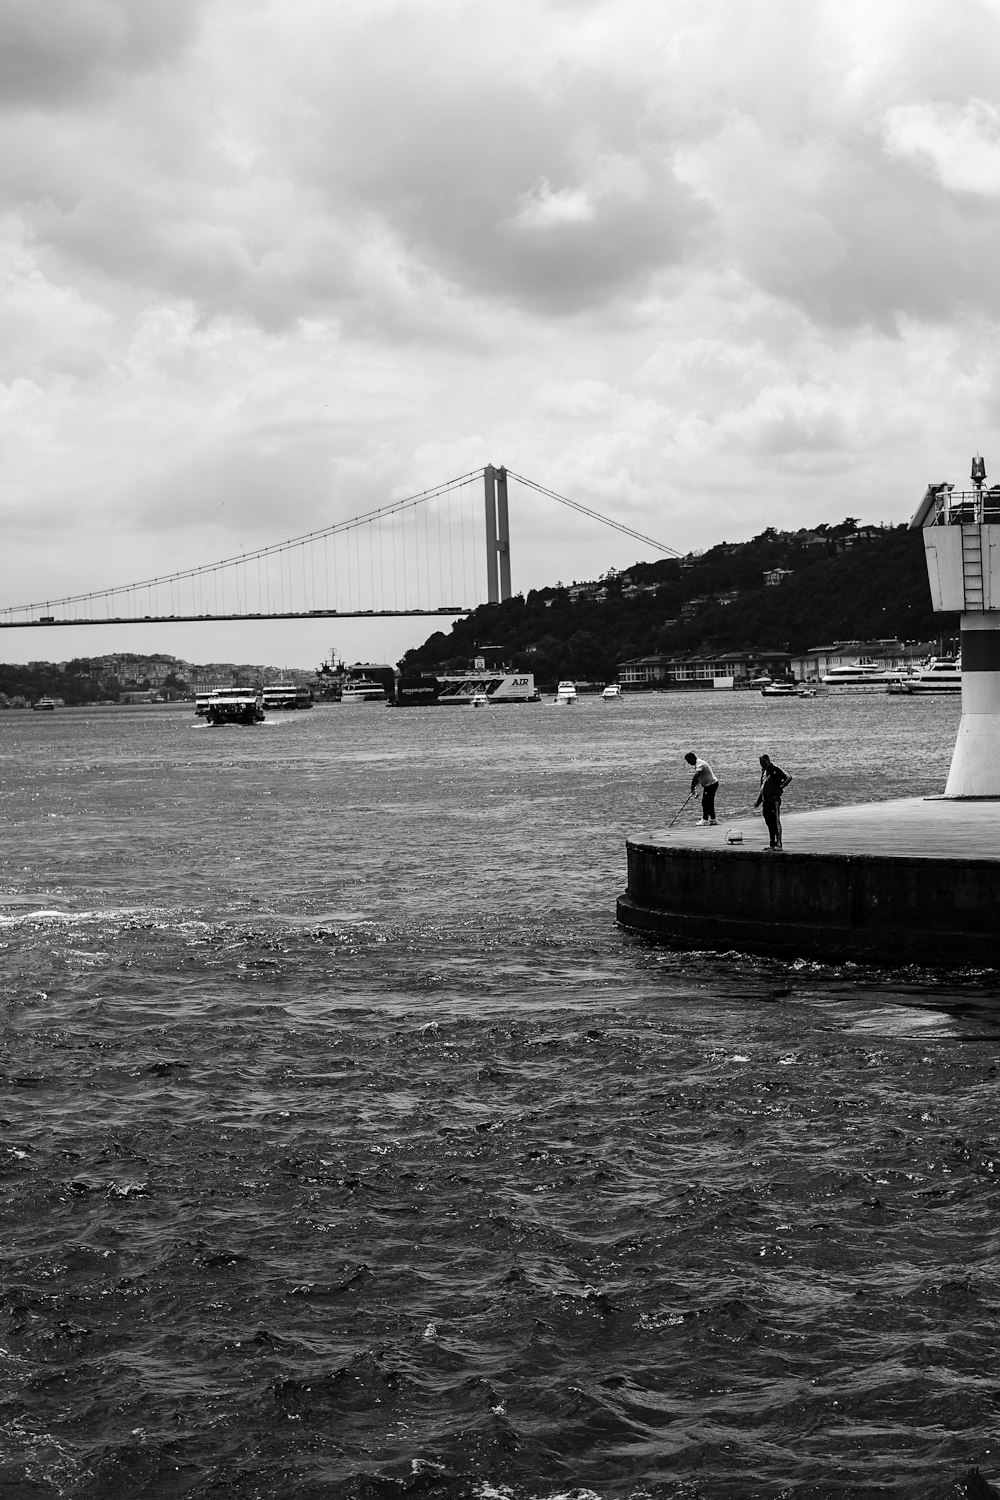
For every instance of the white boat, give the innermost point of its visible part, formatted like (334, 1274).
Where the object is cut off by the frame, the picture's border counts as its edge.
(859, 677)
(942, 674)
(780, 690)
(362, 690)
(612, 692)
(566, 692)
(45, 705)
(479, 700)
(287, 695)
(213, 697)
(234, 706)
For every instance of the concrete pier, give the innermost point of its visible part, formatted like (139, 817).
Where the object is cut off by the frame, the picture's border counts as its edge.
(893, 882)
(914, 881)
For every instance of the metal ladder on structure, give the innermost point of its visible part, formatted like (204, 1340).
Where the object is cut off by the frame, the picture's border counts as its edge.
(972, 567)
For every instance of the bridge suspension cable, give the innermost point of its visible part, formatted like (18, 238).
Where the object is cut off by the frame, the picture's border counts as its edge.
(595, 515)
(422, 555)
(402, 569)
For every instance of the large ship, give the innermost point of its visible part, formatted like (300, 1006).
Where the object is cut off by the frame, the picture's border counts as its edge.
(498, 686)
(479, 687)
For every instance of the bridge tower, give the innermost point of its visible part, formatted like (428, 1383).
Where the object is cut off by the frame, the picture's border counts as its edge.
(961, 532)
(497, 534)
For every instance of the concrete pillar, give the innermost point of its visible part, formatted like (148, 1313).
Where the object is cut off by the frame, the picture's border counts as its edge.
(975, 763)
(961, 533)
(503, 533)
(492, 573)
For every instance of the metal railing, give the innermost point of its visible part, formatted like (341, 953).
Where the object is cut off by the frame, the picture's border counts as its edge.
(964, 507)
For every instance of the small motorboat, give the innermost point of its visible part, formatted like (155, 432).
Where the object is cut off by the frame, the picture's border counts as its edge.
(612, 692)
(780, 690)
(566, 692)
(479, 700)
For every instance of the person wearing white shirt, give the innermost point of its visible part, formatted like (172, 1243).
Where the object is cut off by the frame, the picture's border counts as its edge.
(705, 778)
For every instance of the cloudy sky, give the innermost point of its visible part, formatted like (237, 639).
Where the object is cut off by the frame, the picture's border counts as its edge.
(703, 265)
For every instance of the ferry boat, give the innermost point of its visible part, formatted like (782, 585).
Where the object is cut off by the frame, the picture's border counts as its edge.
(285, 696)
(234, 706)
(612, 692)
(566, 692)
(941, 674)
(212, 697)
(362, 690)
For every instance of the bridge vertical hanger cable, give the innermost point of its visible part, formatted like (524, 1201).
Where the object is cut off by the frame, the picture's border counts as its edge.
(425, 597)
(424, 553)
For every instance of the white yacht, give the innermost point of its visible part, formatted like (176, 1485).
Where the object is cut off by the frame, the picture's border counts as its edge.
(942, 674)
(859, 677)
(566, 692)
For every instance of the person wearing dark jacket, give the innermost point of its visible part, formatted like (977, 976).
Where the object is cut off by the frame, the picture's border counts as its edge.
(773, 781)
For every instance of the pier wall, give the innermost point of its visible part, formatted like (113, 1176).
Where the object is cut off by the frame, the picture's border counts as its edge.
(826, 906)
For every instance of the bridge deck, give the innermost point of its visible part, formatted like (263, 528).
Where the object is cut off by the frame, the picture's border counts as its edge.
(53, 622)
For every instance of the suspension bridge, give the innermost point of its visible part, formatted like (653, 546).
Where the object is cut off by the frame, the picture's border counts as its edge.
(441, 552)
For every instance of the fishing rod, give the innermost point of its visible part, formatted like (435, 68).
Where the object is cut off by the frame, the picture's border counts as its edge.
(683, 805)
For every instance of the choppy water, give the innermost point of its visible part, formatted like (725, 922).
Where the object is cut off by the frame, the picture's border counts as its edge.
(350, 1149)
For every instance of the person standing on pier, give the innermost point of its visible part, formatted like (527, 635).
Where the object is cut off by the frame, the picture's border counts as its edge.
(773, 781)
(705, 778)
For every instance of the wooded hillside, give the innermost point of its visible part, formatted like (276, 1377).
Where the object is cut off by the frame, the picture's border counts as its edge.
(845, 582)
